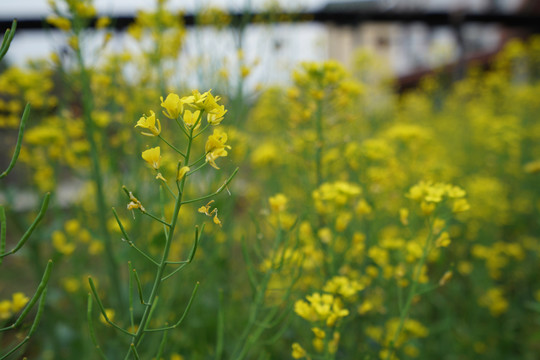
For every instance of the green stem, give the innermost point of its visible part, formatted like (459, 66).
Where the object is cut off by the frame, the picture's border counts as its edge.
(412, 293)
(22, 126)
(8, 37)
(28, 232)
(250, 335)
(221, 188)
(97, 177)
(163, 263)
(319, 146)
(172, 146)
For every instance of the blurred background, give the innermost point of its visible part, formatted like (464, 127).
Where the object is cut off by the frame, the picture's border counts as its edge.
(412, 37)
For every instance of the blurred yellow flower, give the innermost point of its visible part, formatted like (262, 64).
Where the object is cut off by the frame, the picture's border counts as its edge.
(59, 22)
(298, 351)
(18, 301)
(278, 203)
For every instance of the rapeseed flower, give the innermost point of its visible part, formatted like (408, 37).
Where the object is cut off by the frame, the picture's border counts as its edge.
(149, 122)
(173, 106)
(215, 115)
(298, 351)
(191, 118)
(182, 172)
(59, 22)
(18, 301)
(278, 203)
(152, 156)
(215, 147)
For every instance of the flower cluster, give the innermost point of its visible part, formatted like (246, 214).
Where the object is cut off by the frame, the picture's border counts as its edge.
(10, 307)
(321, 308)
(429, 194)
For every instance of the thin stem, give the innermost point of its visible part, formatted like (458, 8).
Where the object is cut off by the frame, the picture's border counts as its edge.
(130, 297)
(169, 189)
(102, 308)
(163, 263)
(139, 287)
(181, 127)
(197, 169)
(200, 132)
(8, 37)
(134, 351)
(186, 310)
(32, 329)
(97, 177)
(91, 328)
(162, 345)
(30, 230)
(172, 146)
(221, 188)
(412, 293)
(18, 145)
(3, 230)
(198, 160)
(132, 244)
(191, 254)
(220, 327)
(173, 272)
(320, 143)
(156, 218)
(37, 295)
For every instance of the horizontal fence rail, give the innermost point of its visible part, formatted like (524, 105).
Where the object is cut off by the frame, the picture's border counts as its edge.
(530, 22)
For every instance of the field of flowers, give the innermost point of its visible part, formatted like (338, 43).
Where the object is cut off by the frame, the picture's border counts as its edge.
(329, 219)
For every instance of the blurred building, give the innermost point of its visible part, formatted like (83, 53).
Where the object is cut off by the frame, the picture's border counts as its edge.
(413, 47)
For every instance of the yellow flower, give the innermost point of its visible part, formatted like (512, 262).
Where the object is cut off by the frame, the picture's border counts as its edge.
(404, 216)
(427, 208)
(460, 205)
(298, 351)
(445, 278)
(5, 309)
(216, 219)
(182, 172)
(206, 210)
(153, 157)
(73, 41)
(244, 71)
(110, 315)
(215, 147)
(71, 284)
(135, 203)
(149, 122)
(443, 240)
(215, 115)
(278, 203)
(210, 102)
(19, 301)
(103, 22)
(532, 167)
(61, 244)
(159, 176)
(191, 118)
(318, 333)
(59, 22)
(173, 106)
